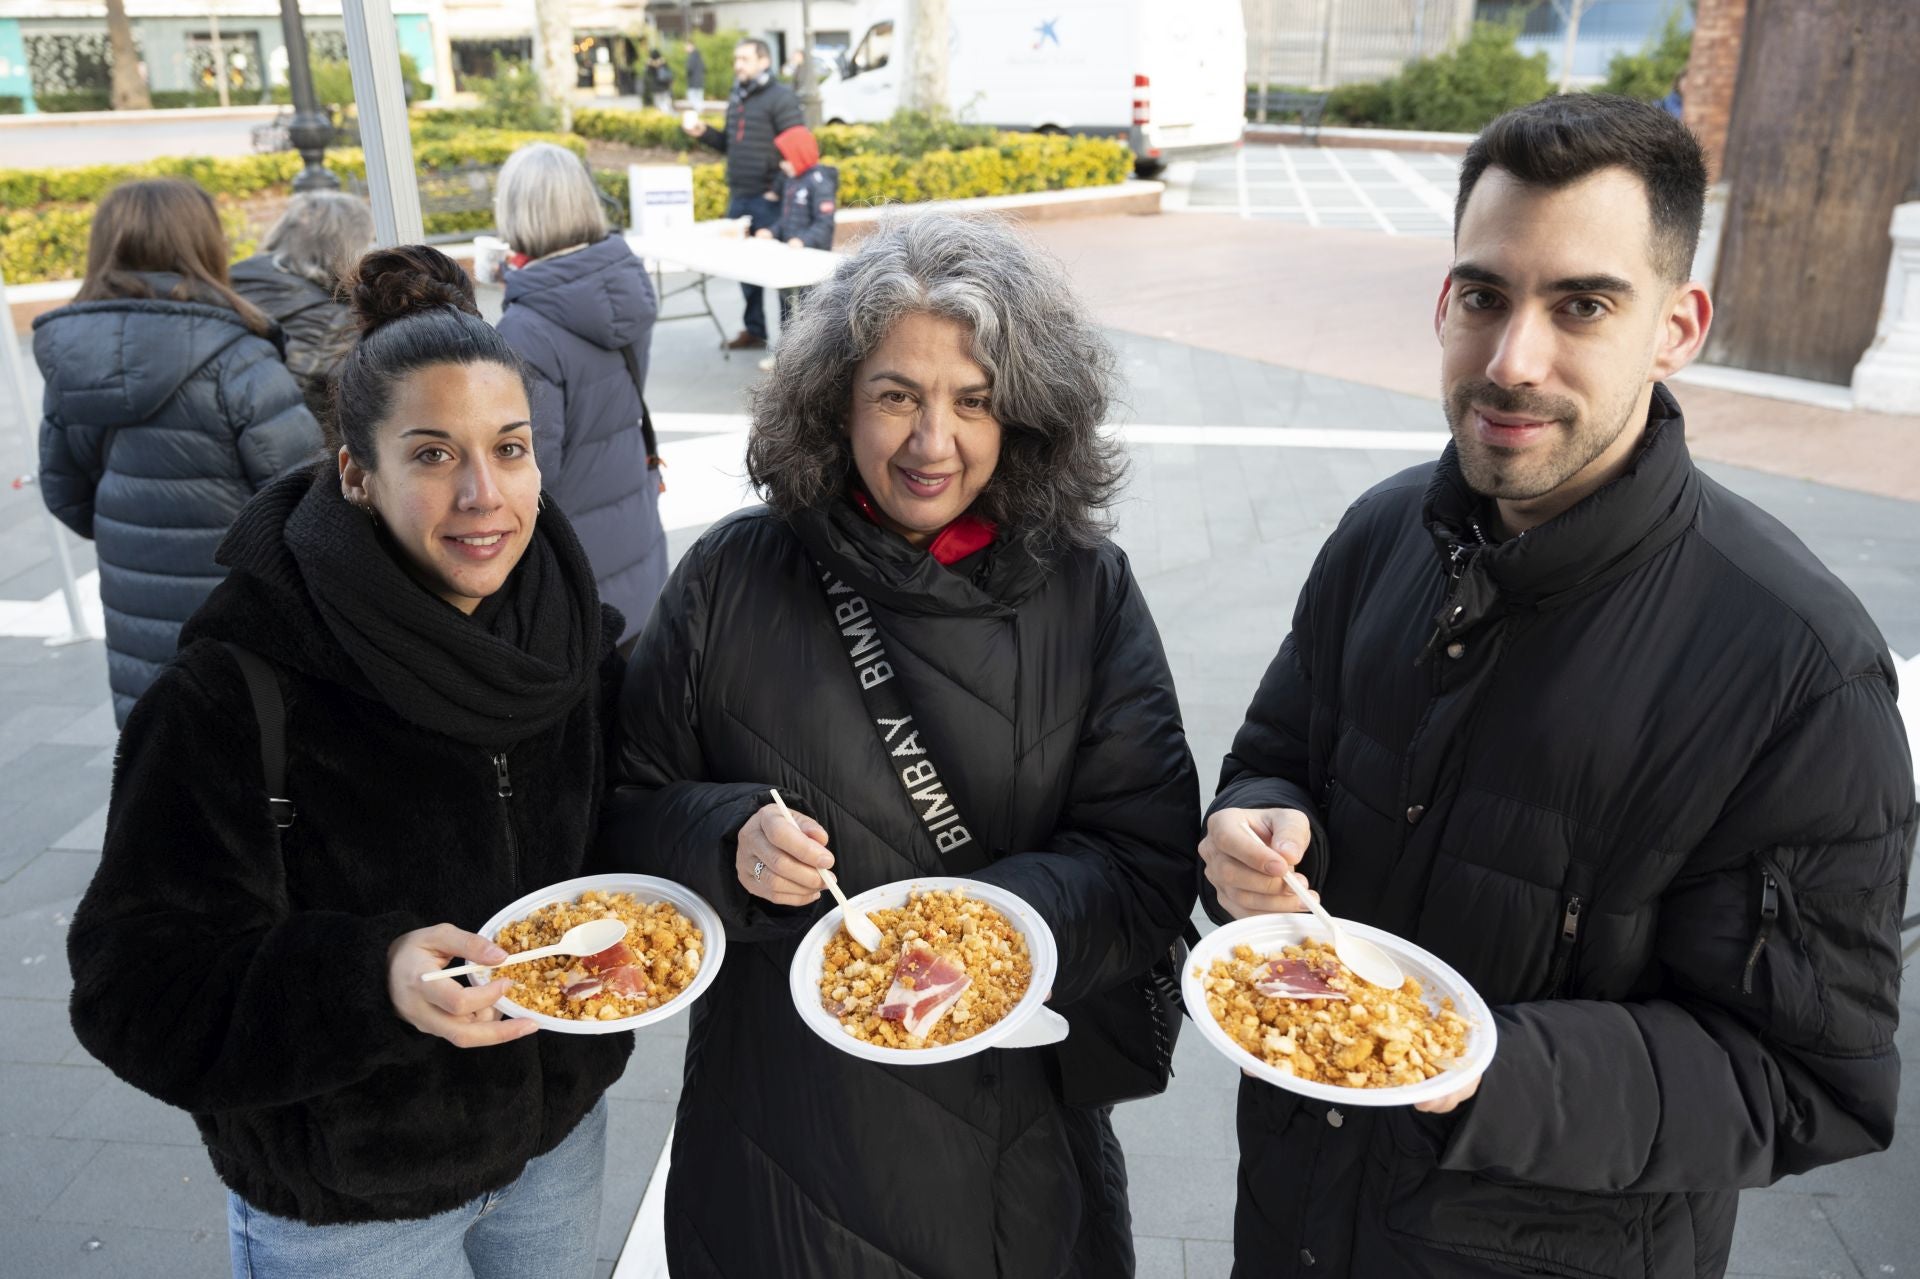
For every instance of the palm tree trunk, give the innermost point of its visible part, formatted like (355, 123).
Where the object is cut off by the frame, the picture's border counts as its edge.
(558, 72)
(927, 59)
(129, 86)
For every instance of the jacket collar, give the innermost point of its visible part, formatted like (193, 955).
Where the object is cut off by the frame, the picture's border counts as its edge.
(890, 571)
(1601, 538)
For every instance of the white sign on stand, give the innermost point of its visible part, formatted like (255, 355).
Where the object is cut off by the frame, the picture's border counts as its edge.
(661, 196)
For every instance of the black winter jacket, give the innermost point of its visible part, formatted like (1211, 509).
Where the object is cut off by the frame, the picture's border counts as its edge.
(161, 419)
(1051, 715)
(757, 113)
(319, 329)
(570, 317)
(247, 982)
(806, 207)
(1640, 777)
(696, 72)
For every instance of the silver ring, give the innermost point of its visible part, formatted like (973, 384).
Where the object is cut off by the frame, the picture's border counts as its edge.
(759, 868)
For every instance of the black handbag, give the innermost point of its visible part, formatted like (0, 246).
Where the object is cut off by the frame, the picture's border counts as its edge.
(1120, 1045)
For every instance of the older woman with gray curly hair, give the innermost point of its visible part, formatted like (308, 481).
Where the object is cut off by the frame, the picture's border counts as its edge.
(926, 642)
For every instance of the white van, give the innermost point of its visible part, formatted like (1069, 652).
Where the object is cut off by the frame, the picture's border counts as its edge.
(1167, 75)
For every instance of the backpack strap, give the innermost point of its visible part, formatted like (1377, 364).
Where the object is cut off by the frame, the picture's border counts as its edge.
(270, 709)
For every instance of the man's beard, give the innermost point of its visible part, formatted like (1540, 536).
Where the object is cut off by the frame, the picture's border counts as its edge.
(1575, 440)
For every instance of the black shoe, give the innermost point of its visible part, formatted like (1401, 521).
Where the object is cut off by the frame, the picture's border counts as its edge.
(745, 341)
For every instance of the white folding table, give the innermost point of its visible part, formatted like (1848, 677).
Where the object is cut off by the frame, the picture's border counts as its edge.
(771, 264)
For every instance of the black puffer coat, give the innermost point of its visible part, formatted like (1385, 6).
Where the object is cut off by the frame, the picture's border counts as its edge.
(757, 113)
(1052, 719)
(247, 983)
(161, 419)
(1649, 792)
(571, 317)
(319, 328)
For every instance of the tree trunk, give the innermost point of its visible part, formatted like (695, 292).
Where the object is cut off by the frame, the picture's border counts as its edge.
(1825, 128)
(553, 34)
(129, 86)
(926, 88)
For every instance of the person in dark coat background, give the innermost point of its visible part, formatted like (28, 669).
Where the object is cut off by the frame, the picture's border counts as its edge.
(294, 278)
(1603, 736)
(446, 669)
(759, 110)
(696, 76)
(579, 311)
(167, 406)
(931, 437)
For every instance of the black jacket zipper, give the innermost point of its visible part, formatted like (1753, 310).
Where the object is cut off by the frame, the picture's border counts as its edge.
(503, 787)
(1563, 948)
(1769, 911)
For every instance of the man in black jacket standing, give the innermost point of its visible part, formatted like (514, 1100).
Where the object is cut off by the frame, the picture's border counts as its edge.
(1603, 736)
(760, 109)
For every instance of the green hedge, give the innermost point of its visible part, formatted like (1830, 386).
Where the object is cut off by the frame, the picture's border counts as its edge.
(45, 214)
(644, 128)
(1649, 74)
(1017, 162)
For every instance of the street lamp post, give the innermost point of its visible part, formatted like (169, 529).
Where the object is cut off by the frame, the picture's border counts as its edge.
(311, 129)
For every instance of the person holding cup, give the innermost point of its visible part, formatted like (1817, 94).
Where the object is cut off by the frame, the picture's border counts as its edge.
(251, 949)
(759, 110)
(930, 449)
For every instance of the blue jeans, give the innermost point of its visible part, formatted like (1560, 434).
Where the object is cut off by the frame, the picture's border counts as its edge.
(764, 214)
(543, 1223)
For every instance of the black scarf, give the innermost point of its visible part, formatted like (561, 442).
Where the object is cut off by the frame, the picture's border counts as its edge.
(516, 667)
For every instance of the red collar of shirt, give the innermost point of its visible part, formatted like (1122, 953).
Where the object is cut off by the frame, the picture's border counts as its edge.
(951, 544)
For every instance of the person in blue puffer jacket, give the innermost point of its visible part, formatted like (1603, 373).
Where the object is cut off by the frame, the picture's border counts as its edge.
(168, 405)
(580, 312)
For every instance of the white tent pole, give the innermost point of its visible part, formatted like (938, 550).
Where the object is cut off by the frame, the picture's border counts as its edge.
(373, 54)
(16, 398)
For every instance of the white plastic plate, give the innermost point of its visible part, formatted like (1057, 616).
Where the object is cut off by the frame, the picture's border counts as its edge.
(645, 889)
(1266, 934)
(1029, 1025)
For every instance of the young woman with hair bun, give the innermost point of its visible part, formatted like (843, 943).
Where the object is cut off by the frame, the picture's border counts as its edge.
(445, 664)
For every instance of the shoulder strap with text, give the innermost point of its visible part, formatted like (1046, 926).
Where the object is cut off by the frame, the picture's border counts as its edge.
(900, 734)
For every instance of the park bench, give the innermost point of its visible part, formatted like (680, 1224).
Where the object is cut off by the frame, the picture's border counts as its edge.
(1280, 103)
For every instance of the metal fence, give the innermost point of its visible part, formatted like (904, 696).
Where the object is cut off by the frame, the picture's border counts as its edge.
(1321, 43)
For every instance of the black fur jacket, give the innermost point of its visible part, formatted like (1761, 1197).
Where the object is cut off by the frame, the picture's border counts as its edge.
(247, 982)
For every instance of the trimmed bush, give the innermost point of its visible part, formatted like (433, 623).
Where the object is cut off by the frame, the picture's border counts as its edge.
(12, 104)
(1458, 91)
(78, 100)
(716, 49)
(643, 128)
(47, 212)
(1649, 74)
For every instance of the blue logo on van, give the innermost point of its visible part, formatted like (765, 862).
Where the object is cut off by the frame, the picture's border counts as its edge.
(1046, 32)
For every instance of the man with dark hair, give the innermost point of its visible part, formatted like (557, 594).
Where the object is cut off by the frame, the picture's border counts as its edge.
(760, 109)
(1605, 738)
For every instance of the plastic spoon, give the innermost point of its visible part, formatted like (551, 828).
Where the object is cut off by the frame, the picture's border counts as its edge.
(858, 926)
(589, 938)
(1363, 959)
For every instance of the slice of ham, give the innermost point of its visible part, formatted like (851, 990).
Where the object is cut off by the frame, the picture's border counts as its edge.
(1282, 978)
(614, 956)
(925, 985)
(614, 970)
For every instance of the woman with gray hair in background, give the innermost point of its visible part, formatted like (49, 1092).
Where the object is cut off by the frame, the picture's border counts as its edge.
(580, 311)
(930, 448)
(294, 278)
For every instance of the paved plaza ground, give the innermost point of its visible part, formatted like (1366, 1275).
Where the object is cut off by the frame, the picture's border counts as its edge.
(1242, 346)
